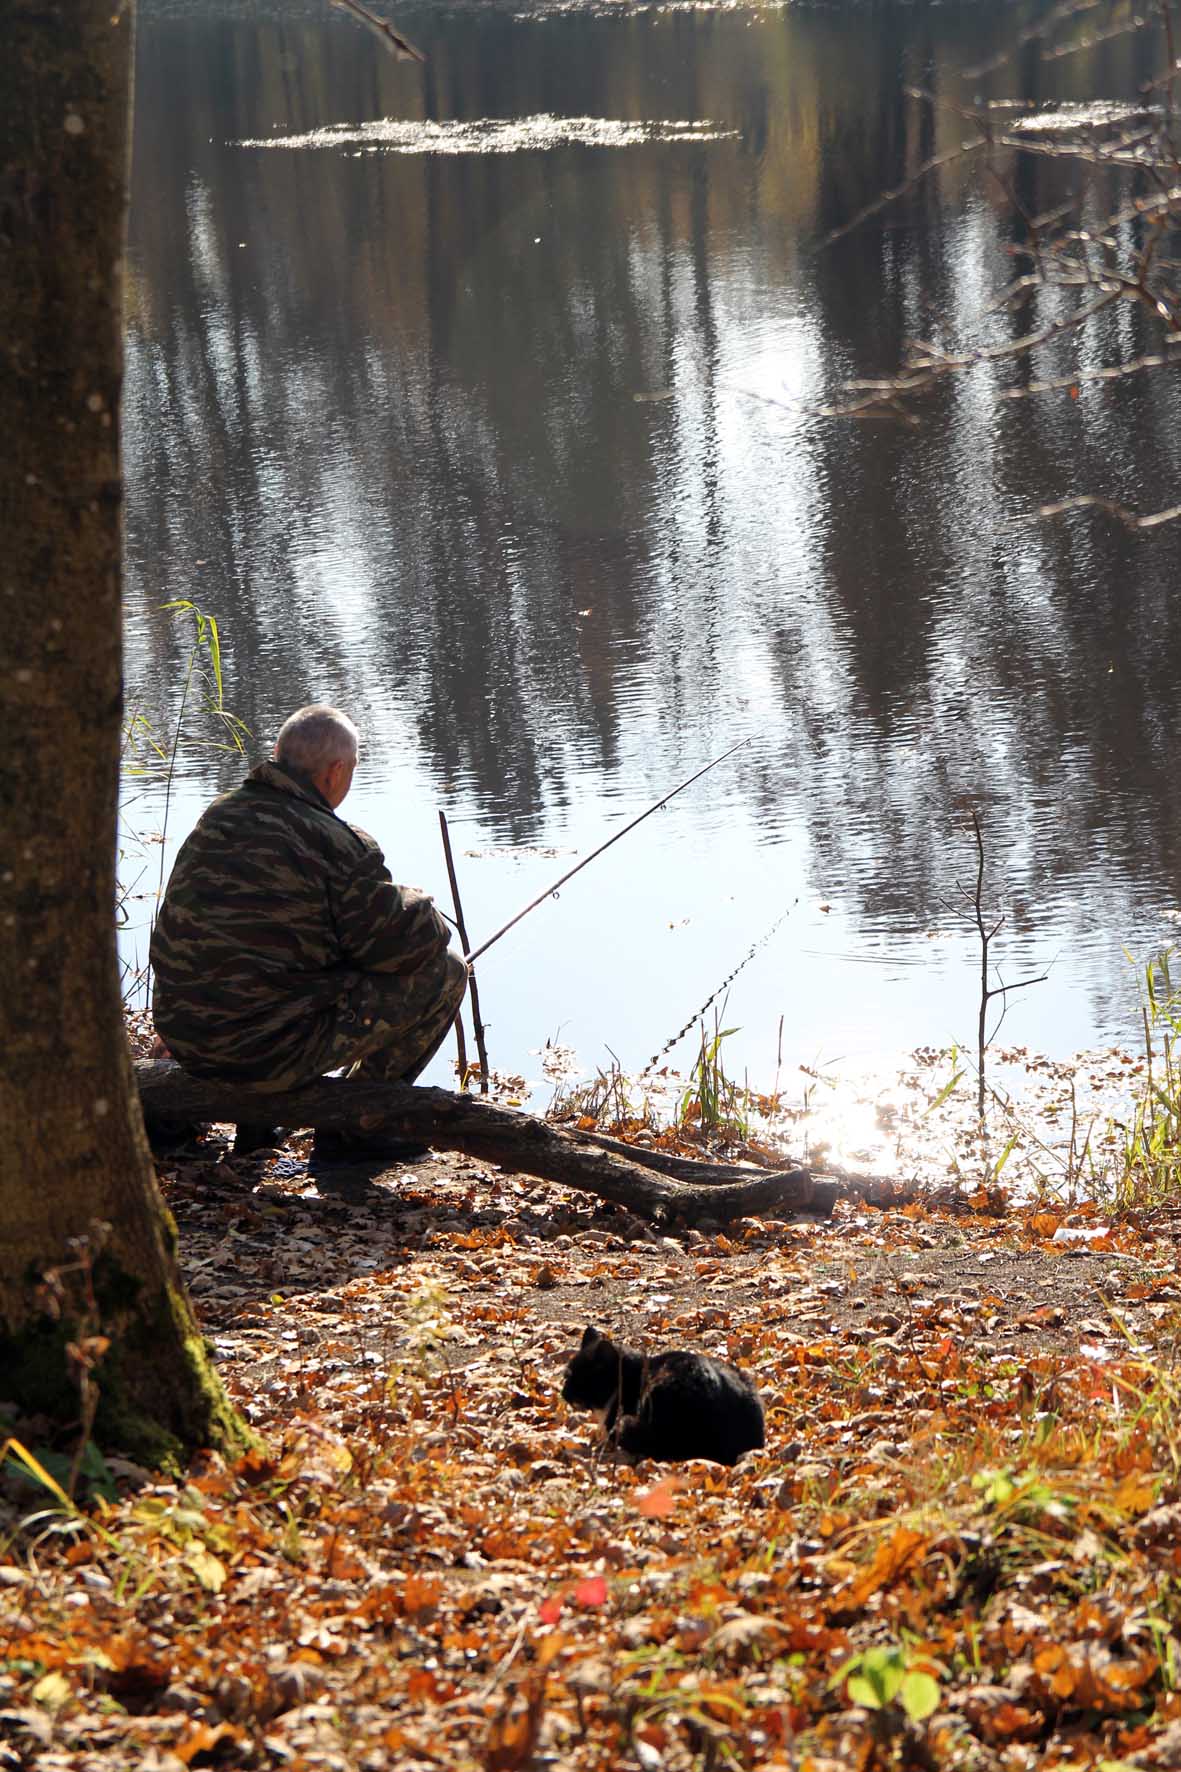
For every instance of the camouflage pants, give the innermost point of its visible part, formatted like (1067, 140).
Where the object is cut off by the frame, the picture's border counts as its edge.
(390, 1025)
(384, 1025)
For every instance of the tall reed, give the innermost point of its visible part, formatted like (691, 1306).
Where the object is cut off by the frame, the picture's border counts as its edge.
(1152, 1139)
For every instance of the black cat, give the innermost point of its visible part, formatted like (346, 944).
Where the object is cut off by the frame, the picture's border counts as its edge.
(674, 1405)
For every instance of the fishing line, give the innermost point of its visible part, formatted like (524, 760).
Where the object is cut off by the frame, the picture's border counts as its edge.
(711, 1000)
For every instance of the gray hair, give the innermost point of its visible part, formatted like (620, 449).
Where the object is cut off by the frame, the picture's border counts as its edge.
(314, 737)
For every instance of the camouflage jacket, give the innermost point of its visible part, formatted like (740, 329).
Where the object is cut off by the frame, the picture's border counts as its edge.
(274, 907)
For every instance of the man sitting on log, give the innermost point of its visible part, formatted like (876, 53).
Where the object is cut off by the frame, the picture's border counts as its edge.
(283, 949)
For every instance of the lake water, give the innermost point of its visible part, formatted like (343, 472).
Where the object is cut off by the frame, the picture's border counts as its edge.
(480, 398)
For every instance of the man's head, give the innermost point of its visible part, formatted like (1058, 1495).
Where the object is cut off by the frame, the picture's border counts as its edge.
(321, 743)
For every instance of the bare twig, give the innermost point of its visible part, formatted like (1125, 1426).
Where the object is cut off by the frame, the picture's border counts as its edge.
(1108, 263)
(1030, 34)
(399, 47)
(908, 184)
(1080, 377)
(1066, 9)
(1166, 12)
(1058, 51)
(928, 366)
(1109, 506)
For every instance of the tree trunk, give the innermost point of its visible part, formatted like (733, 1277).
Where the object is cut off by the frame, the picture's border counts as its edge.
(651, 1184)
(72, 1149)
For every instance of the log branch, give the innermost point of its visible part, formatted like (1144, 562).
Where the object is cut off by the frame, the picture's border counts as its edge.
(850, 1184)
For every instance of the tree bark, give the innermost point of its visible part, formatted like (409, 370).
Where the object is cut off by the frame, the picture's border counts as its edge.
(479, 1127)
(72, 1149)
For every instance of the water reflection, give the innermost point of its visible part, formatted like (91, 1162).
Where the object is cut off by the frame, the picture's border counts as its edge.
(515, 455)
(491, 135)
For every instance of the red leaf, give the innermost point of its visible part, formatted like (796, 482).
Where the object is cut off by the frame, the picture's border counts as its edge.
(659, 1501)
(592, 1591)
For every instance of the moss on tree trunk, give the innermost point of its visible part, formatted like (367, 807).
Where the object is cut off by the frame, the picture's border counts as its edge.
(157, 1410)
(72, 1146)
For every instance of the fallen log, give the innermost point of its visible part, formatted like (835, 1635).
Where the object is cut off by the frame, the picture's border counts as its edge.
(481, 1128)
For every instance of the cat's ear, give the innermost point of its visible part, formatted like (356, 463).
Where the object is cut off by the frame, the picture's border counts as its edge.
(589, 1337)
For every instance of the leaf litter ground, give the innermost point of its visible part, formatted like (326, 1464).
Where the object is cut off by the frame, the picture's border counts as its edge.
(961, 1546)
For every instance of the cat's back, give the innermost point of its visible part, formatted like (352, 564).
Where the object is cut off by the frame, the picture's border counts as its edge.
(712, 1377)
(701, 1407)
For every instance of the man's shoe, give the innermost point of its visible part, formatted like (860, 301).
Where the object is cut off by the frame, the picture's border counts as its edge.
(362, 1147)
(167, 1137)
(256, 1135)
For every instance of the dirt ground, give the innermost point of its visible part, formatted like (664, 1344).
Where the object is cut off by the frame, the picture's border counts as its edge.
(258, 1235)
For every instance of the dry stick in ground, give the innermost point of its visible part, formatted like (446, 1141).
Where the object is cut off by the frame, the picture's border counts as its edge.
(639, 1180)
(460, 1048)
(473, 993)
(975, 901)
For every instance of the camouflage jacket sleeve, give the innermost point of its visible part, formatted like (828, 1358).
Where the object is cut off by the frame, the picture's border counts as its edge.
(382, 927)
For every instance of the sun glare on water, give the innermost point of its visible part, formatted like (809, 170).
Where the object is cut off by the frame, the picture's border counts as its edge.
(492, 135)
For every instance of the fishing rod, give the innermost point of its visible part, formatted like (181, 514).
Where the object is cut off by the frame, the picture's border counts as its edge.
(551, 891)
